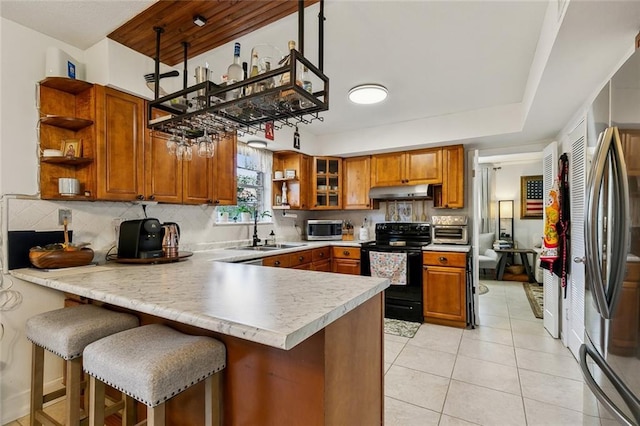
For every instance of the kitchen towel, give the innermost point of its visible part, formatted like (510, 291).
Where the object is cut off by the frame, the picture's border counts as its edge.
(389, 265)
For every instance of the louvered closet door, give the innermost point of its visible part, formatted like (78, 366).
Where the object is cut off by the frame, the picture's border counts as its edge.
(577, 182)
(551, 282)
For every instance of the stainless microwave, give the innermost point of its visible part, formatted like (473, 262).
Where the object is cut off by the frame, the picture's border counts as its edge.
(322, 230)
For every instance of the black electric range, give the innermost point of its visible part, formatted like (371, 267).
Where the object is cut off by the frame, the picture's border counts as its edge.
(402, 301)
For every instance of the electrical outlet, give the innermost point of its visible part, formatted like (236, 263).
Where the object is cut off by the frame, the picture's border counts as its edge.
(62, 214)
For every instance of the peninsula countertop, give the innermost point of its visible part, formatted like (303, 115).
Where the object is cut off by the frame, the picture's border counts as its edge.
(271, 306)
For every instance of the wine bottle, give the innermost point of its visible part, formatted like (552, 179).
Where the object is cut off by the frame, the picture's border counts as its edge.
(254, 88)
(234, 73)
(286, 62)
(306, 82)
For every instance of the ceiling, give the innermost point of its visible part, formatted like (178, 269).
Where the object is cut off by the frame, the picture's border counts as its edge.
(465, 63)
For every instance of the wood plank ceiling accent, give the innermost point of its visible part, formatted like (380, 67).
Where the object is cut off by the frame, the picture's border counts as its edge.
(226, 22)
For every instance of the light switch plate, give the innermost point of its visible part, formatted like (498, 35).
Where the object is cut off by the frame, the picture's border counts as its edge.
(62, 214)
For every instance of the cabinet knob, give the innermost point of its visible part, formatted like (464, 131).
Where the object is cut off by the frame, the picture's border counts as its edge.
(152, 197)
(276, 263)
(301, 258)
(209, 201)
(216, 202)
(140, 197)
(321, 254)
(443, 259)
(425, 267)
(346, 253)
(367, 205)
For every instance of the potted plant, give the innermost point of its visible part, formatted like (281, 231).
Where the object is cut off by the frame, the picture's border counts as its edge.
(245, 213)
(223, 214)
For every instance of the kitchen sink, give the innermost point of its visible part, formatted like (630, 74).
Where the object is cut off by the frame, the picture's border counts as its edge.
(268, 248)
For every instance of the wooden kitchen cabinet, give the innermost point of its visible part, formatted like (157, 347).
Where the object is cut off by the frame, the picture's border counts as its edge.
(225, 161)
(450, 194)
(345, 260)
(444, 281)
(630, 139)
(120, 124)
(67, 111)
(326, 183)
(278, 261)
(407, 168)
(356, 172)
(625, 324)
(298, 188)
(321, 259)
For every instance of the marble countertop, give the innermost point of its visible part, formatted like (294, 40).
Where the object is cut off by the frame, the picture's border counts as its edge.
(459, 248)
(271, 306)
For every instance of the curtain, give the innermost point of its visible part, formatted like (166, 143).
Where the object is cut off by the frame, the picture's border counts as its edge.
(255, 159)
(485, 201)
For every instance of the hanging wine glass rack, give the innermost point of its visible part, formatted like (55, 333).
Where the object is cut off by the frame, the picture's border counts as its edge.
(251, 103)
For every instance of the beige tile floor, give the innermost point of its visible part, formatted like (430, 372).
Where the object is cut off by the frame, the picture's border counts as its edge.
(508, 371)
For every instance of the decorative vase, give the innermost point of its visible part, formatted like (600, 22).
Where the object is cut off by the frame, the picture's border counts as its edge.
(245, 217)
(223, 217)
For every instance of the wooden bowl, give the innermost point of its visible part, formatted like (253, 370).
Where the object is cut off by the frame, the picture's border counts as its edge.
(52, 259)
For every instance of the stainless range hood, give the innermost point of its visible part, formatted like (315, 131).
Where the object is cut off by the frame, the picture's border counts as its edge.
(412, 192)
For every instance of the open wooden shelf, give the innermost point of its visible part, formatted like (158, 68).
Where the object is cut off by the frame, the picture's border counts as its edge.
(64, 84)
(70, 123)
(66, 160)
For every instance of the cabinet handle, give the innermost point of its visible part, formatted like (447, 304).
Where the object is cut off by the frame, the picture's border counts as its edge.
(321, 254)
(367, 205)
(425, 267)
(346, 253)
(209, 201)
(301, 258)
(276, 263)
(216, 202)
(152, 197)
(442, 259)
(140, 197)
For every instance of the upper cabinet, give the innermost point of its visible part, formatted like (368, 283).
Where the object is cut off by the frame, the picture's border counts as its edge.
(356, 172)
(120, 128)
(450, 194)
(292, 191)
(407, 168)
(67, 113)
(326, 183)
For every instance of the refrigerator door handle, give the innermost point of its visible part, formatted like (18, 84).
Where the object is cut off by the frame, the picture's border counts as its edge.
(593, 265)
(630, 400)
(620, 224)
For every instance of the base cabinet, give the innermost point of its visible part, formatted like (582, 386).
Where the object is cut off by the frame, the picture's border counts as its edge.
(346, 260)
(444, 288)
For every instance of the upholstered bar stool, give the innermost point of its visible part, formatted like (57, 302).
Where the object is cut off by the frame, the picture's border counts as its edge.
(152, 364)
(66, 332)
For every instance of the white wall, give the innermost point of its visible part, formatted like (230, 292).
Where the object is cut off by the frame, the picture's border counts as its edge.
(506, 186)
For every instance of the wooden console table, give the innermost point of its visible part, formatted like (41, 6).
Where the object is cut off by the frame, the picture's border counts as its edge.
(502, 263)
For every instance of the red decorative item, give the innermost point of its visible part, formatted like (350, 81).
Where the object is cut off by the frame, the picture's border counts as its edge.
(268, 130)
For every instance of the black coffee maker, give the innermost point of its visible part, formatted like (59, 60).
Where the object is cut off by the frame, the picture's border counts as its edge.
(140, 239)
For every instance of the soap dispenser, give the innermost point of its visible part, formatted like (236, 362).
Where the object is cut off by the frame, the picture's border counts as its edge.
(271, 239)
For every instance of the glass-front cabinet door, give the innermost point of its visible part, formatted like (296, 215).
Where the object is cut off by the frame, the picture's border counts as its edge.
(327, 183)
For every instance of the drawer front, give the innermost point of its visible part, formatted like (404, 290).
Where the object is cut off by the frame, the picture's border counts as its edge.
(346, 252)
(281, 261)
(300, 258)
(444, 258)
(321, 254)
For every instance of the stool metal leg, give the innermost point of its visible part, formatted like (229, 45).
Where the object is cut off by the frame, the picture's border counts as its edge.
(74, 377)
(213, 400)
(156, 415)
(37, 382)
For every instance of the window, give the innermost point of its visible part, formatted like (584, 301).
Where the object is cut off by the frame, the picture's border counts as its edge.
(254, 185)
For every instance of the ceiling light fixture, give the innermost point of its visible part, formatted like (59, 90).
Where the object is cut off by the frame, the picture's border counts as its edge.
(366, 94)
(199, 20)
(257, 144)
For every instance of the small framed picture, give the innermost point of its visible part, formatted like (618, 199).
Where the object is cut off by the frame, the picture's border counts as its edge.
(290, 173)
(72, 148)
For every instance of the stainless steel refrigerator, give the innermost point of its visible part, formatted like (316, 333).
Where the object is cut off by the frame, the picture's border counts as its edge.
(610, 355)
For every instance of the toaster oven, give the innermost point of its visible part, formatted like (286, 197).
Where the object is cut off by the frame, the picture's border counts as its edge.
(449, 230)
